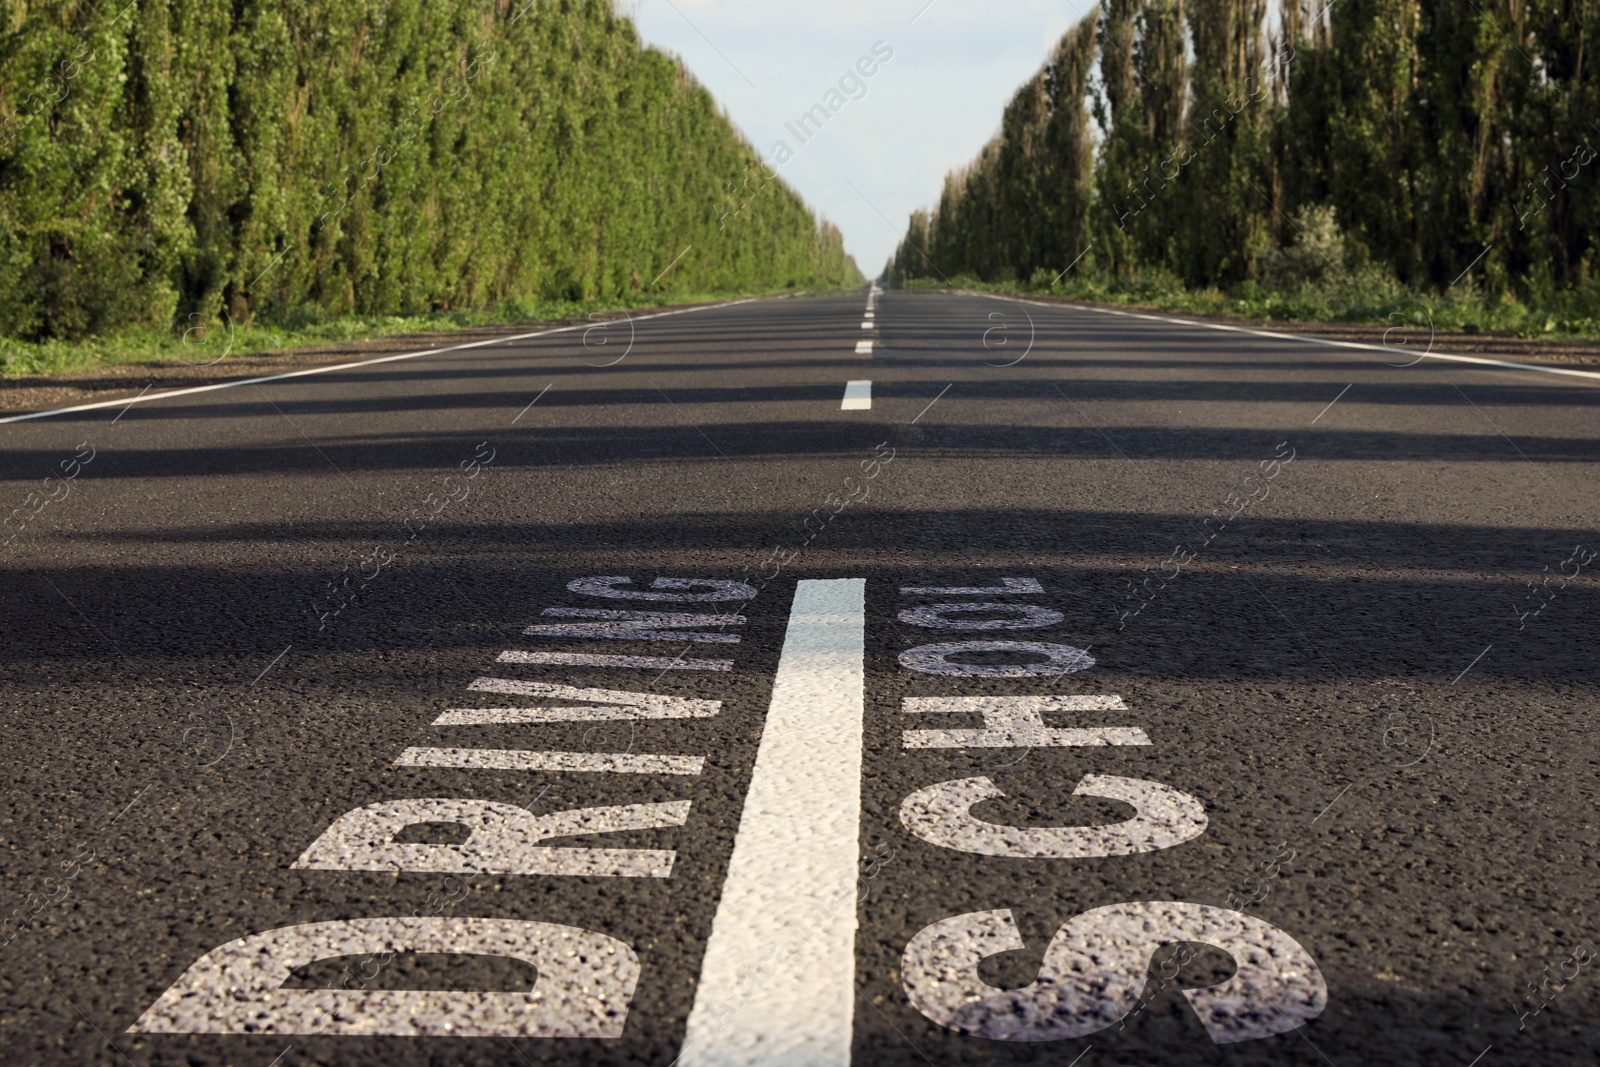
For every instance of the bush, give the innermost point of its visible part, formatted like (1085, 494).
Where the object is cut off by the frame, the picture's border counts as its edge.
(1317, 250)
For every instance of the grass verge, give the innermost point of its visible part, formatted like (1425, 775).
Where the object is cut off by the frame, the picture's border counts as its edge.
(217, 341)
(1367, 296)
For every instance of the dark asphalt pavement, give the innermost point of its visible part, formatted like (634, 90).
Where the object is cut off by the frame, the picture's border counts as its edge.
(1351, 606)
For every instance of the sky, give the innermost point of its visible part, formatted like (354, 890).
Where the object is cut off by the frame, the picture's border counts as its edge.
(927, 109)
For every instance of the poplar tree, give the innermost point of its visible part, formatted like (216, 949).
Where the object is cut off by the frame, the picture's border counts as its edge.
(167, 162)
(1444, 144)
(1066, 186)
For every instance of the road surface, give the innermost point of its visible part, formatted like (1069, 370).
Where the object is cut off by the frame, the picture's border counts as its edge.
(974, 682)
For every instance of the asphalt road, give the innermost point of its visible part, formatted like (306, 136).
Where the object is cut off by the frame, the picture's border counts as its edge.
(1266, 736)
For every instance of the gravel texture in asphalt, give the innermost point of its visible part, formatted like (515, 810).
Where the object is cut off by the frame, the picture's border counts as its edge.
(1105, 691)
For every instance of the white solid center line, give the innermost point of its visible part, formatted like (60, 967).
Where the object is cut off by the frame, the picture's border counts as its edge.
(857, 397)
(777, 985)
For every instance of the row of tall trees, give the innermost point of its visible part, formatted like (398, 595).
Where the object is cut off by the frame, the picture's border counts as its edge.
(1442, 136)
(162, 159)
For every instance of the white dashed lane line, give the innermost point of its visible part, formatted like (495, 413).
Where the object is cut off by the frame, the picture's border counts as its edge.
(778, 981)
(857, 396)
(863, 348)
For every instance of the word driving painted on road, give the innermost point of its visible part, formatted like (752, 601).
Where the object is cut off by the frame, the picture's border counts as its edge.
(586, 979)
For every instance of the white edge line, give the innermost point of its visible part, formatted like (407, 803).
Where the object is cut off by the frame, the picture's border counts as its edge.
(1286, 336)
(350, 366)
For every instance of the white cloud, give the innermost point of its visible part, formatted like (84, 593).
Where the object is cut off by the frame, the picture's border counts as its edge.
(929, 109)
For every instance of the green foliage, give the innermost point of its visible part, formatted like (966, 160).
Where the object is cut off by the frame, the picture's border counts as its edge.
(1439, 150)
(167, 163)
(1317, 251)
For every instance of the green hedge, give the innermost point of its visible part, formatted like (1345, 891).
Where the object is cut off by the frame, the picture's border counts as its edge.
(164, 162)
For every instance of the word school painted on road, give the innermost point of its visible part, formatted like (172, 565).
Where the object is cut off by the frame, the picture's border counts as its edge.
(1095, 967)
